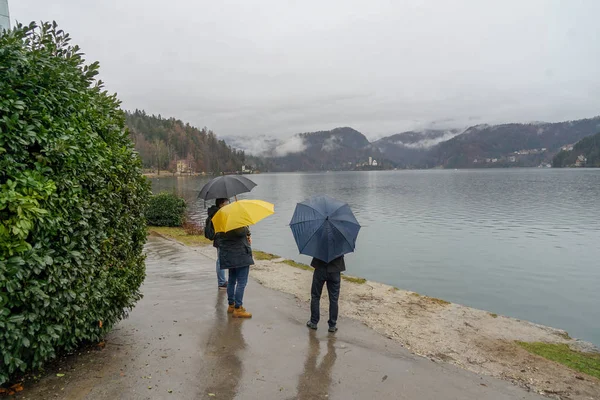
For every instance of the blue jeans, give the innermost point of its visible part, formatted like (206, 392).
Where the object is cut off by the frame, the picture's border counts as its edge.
(238, 278)
(221, 280)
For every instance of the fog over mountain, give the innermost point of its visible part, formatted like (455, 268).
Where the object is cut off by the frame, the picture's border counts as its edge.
(482, 145)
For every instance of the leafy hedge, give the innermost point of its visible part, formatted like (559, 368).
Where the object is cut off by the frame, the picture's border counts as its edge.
(72, 201)
(166, 209)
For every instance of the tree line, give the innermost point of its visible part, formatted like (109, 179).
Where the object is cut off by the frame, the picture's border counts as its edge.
(163, 142)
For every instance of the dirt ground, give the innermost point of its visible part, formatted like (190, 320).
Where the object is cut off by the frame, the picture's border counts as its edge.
(473, 339)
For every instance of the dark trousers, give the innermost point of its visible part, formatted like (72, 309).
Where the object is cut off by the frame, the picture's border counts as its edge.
(320, 277)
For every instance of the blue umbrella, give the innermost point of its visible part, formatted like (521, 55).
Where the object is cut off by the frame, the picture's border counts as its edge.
(324, 228)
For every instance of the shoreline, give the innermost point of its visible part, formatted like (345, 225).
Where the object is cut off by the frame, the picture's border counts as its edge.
(167, 174)
(473, 339)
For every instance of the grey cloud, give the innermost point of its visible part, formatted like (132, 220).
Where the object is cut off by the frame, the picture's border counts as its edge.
(279, 68)
(295, 144)
(331, 143)
(427, 143)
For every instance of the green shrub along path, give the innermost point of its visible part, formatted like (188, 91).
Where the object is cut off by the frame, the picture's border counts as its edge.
(166, 209)
(72, 201)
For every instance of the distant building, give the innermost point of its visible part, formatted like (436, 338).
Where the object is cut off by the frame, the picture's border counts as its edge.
(475, 161)
(370, 160)
(544, 149)
(567, 147)
(512, 159)
(581, 160)
(182, 167)
(374, 163)
(494, 160)
(4, 15)
(487, 160)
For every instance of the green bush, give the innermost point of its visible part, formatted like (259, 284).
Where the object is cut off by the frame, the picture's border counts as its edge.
(72, 201)
(166, 209)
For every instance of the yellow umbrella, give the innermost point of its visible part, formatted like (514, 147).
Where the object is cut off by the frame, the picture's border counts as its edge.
(241, 213)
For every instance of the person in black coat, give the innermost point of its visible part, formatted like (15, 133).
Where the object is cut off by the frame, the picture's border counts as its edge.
(219, 203)
(235, 255)
(329, 273)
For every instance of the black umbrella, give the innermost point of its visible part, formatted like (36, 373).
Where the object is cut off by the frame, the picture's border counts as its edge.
(225, 187)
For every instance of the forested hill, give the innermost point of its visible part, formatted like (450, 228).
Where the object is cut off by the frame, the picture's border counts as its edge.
(541, 141)
(163, 142)
(585, 153)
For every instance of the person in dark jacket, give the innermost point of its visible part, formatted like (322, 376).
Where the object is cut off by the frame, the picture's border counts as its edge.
(235, 254)
(221, 280)
(329, 273)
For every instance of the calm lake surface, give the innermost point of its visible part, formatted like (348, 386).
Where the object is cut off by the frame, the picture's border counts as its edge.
(518, 242)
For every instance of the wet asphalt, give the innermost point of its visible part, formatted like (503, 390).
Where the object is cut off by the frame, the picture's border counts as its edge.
(179, 343)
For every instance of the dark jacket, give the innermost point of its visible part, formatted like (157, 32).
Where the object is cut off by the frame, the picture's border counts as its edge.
(212, 210)
(336, 265)
(234, 248)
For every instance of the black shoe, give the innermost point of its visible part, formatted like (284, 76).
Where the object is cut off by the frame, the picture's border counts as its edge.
(311, 325)
(223, 287)
(333, 329)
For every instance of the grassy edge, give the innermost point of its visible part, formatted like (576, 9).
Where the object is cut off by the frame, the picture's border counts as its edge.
(354, 279)
(298, 265)
(261, 255)
(434, 300)
(587, 363)
(180, 235)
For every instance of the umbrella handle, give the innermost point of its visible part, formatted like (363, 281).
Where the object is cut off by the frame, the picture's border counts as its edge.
(235, 198)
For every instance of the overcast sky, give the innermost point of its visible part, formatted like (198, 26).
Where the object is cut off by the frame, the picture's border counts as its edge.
(279, 67)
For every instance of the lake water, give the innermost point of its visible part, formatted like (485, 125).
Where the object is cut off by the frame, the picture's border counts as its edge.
(518, 242)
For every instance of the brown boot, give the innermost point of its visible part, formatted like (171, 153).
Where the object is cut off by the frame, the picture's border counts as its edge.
(230, 308)
(241, 313)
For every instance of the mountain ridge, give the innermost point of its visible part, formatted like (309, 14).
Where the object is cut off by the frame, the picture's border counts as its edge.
(478, 146)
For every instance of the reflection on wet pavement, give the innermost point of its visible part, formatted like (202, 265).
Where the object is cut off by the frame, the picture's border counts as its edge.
(315, 380)
(224, 344)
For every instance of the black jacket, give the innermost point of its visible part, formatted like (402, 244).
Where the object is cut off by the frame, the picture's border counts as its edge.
(234, 248)
(212, 210)
(336, 265)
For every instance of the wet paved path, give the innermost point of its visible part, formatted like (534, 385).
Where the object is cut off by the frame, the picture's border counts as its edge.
(179, 343)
